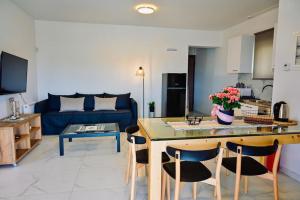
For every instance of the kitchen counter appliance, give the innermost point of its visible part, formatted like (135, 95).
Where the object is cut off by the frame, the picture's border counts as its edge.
(280, 110)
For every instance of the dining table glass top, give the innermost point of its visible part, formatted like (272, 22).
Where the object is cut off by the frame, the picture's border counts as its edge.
(158, 129)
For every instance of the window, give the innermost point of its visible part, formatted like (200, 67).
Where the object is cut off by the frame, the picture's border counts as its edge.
(263, 53)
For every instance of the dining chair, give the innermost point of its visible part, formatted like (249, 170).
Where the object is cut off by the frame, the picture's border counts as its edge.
(188, 168)
(245, 165)
(138, 158)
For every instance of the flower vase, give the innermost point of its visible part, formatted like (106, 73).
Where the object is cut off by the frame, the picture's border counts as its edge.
(225, 117)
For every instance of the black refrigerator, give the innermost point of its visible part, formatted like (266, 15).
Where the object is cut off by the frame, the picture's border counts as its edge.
(173, 94)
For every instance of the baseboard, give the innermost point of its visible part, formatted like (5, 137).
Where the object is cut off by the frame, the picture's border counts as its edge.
(290, 173)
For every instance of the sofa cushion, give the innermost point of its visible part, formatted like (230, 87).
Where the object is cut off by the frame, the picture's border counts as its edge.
(89, 102)
(71, 104)
(54, 101)
(123, 100)
(105, 103)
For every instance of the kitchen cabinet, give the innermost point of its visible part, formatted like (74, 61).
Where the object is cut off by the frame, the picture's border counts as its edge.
(240, 54)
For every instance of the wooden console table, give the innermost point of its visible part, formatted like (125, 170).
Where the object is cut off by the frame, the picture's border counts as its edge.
(18, 138)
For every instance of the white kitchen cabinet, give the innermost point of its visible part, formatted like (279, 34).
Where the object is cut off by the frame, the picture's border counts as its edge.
(240, 54)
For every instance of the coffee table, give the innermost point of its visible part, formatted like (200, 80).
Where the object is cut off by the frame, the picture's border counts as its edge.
(89, 130)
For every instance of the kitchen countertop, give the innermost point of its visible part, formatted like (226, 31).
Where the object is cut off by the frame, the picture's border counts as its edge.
(260, 103)
(264, 107)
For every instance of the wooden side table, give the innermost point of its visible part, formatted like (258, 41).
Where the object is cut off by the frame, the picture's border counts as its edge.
(18, 138)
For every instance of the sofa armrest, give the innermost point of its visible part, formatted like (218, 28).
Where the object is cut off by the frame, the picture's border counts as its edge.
(134, 110)
(41, 106)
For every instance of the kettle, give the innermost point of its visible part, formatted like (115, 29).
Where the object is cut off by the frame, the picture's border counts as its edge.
(280, 110)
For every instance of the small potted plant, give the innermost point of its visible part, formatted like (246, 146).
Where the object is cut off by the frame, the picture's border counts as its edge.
(151, 109)
(224, 103)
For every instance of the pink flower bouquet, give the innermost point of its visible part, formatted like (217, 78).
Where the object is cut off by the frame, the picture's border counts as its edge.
(228, 99)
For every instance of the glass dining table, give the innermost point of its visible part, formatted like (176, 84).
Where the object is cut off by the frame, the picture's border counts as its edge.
(160, 134)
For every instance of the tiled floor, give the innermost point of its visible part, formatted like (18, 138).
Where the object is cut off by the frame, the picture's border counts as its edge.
(91, 169)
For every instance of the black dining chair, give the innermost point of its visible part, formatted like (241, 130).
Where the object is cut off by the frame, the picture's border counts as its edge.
(138, 158)
(244, 165)
(188, 168)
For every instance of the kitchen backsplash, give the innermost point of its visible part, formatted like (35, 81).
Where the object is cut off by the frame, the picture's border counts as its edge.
(257, 86)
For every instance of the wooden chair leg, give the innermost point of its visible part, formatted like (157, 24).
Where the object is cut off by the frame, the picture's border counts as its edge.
(238, 174)
(245, 184)
(177, 179)
(128, 166)
(194, 190)
(168, 188)
(226, 155)
(218, 191)
(177, 190)
(218, 174)
(133, 175)
(163, 185)
(275, 185)
(275, 169)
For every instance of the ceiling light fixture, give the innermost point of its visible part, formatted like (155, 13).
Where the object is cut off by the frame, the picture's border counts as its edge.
(146, 8)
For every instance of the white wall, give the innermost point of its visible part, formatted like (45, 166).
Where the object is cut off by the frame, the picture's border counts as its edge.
(286, 82)
(17, 37)
(91, 58)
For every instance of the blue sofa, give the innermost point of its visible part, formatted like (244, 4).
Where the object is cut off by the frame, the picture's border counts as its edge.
(54, 122)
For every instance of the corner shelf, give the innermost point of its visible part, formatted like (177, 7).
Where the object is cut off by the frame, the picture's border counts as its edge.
(35, 142)
(20, 153)
(18, 138)
(21, 139)
(34, 129)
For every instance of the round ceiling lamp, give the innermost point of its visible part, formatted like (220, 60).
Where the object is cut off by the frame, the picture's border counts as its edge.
(146, 9)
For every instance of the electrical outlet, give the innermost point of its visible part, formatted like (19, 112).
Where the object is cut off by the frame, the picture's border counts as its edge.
(287, 67)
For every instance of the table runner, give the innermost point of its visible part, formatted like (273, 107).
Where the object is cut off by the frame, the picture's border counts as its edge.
(213, 124)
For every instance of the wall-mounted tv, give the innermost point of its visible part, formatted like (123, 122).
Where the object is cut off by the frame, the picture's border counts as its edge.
(13, 74)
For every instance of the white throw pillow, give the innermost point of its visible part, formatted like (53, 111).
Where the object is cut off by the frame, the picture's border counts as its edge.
(71, 104)
(105, 103)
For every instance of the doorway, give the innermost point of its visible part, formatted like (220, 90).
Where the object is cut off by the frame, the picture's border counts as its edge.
(201, 72)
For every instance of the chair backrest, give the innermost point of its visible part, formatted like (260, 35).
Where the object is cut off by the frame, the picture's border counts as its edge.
(132, 129)
(194, 155)
(254, 150)
(137, 139)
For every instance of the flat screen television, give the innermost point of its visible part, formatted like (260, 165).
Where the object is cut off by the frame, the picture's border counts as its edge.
(13, 74)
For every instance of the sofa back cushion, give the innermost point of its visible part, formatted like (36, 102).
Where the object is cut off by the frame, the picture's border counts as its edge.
(123, 100)
(105, 103)
(54, 101)
(71, 104)
(89, 102)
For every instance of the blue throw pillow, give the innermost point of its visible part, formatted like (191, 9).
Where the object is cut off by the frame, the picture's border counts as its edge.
(123, 100)
(54, 101)
(89, 102)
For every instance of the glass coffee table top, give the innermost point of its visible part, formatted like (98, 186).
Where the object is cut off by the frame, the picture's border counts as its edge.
(88, 131)
(90, 128)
